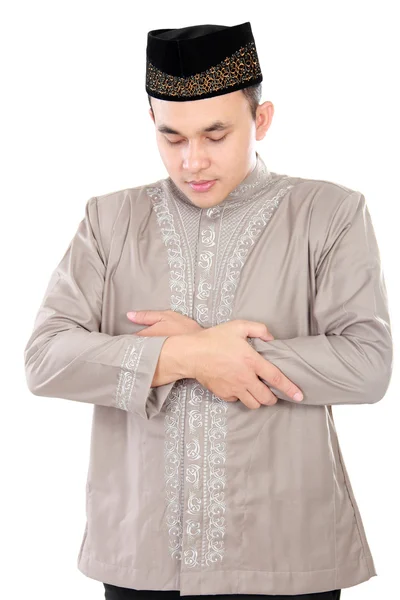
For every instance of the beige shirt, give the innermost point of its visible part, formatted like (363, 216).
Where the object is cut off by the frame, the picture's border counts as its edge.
(184, 490)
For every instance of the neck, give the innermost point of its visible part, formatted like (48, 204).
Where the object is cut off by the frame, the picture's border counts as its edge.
(256, 177)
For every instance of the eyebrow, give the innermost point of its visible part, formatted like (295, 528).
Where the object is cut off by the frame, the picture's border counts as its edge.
(216, 126)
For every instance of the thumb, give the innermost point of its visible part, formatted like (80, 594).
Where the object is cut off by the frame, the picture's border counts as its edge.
(257, 330)
(144, 317)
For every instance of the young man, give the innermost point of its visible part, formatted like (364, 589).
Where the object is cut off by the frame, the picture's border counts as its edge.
(208, 475)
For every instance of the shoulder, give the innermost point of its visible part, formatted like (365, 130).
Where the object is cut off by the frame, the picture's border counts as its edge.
(328, 210)
(110, 204)
(112, 212)
(321, 194)
(329, 205)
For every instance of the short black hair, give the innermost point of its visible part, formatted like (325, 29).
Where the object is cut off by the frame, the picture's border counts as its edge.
(252, 93)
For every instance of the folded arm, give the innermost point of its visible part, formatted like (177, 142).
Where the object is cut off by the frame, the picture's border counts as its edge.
(349, 359)
(68, 357)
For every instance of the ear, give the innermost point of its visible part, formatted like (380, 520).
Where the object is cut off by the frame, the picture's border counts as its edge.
(264, 115)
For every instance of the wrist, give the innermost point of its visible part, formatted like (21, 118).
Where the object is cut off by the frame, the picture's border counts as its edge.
(178, 353)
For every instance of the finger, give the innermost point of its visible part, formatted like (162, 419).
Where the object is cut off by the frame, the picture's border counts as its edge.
(145, 331)
(144, 317)
(255, 329)
(275, 378)
(248, 400)
(261, 392)
(153, 330)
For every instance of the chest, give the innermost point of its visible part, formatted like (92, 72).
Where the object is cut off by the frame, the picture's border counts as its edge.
(250, 261)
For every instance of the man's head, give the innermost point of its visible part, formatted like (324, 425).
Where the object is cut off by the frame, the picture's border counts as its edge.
(191, 151)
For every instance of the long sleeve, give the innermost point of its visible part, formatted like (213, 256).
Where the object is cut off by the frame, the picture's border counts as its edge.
(68, 357)
(349, 359)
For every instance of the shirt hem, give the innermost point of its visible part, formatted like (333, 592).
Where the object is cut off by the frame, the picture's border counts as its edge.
(209, 582)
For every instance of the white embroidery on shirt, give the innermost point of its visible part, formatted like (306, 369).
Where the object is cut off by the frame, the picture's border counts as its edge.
(176, 402)
(176, 260)
(213, 547)
(205, 452)
(205, 263)
(193, 473)
(173, 466)
(127, 373)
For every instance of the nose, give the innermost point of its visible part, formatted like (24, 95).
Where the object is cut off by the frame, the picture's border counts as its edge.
(194, 157)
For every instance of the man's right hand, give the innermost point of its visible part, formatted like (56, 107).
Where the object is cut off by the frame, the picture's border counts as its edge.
(222, 360)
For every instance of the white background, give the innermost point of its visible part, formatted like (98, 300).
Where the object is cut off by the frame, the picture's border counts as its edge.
(75, 124)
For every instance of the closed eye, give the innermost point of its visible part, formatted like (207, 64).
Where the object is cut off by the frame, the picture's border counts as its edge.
(173, 143)
(210, 139)
(219, 139)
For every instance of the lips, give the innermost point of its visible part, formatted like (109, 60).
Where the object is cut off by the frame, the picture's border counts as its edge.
(202, 186)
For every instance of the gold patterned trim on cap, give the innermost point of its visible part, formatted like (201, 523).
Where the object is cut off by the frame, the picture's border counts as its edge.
(240, 67)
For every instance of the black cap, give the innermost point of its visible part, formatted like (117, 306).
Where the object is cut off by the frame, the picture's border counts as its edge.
(201, 61)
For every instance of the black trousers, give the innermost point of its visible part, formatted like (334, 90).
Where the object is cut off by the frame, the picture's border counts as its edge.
(113, 592)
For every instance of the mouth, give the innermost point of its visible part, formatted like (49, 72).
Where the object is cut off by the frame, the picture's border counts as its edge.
(202, 186)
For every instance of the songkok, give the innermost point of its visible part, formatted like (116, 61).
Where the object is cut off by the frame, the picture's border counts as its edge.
(201, 61)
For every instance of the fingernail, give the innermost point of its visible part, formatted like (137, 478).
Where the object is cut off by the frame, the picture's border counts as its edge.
(132, 314)
(298, 396)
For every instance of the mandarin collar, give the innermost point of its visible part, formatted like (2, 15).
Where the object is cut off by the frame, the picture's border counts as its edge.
(241, 193)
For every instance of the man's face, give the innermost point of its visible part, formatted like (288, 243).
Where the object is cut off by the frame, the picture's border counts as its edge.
(225, 154)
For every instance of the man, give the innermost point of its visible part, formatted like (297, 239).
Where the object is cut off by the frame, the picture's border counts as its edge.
(215, 466)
